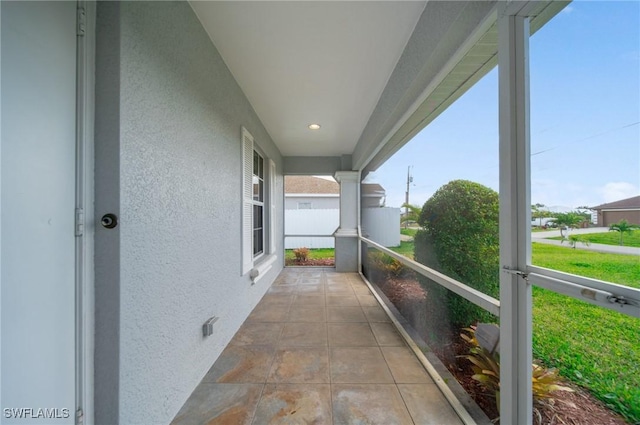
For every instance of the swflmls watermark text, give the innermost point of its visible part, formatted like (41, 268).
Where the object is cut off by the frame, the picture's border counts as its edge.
(39, 413)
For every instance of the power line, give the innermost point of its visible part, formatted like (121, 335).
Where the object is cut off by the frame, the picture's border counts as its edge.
(588, 137)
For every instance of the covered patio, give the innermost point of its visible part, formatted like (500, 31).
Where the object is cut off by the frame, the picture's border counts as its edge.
(318, 348)
(155, 197)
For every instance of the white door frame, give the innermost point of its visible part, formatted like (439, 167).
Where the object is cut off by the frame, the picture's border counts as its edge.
(85, 223)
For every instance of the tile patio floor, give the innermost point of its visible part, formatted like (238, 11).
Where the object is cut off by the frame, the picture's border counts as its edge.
(317, 349)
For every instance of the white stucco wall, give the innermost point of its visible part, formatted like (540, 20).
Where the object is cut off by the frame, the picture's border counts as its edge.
(179, 113)
(317, 202)
(310, 222)
(381, 225)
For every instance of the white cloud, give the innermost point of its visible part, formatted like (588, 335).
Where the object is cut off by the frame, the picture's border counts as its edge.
(553, 192)
(567, 9)
(615, 191)
(563, 196)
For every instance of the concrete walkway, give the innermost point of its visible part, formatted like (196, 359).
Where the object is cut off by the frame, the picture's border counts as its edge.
(613, 249)
(318, 348)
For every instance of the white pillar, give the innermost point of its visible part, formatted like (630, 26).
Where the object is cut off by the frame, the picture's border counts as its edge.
(346, 235)
(515, 211)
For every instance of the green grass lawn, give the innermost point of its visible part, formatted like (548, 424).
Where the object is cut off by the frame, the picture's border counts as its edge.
(405, 248)
(592, 346)
(409, 231)
(612, 238)
(314, 254)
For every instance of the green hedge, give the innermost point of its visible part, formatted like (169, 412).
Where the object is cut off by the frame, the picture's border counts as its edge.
(461, 228)
(439, 326)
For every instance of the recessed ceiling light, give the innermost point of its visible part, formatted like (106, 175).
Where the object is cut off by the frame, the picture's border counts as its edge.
(314, 126)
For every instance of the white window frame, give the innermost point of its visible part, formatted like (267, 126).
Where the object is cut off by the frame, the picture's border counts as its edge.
(268, 254)
(258, 178)
(271, 224)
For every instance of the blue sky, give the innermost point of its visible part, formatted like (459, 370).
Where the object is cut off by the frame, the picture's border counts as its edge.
(585, 118)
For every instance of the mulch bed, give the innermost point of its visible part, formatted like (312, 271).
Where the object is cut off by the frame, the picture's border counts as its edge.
(566, 408)
(325, 262)
(570, 408)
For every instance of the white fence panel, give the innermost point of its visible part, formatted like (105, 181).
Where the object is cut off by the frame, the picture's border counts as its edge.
(382, 225)
(310, 222)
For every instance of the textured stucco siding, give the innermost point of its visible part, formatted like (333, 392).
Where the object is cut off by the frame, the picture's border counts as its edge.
(180, 174)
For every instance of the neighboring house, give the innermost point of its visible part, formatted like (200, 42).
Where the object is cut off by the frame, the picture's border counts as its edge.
(312, 207)
(624, 209)
(372, 195)
(144, 147)
(310, 192)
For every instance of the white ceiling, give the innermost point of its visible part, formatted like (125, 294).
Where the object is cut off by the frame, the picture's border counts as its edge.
(306, 62)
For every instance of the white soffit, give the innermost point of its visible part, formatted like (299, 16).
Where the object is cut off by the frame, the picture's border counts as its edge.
(304, 62)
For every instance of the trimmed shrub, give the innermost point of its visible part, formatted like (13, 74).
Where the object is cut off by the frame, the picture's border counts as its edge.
(461, 220)
(438, 325)
(301, 254)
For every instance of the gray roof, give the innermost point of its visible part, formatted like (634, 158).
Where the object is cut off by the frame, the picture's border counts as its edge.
(369, 189)
(623, 204)
(316, 185)
(310, 184)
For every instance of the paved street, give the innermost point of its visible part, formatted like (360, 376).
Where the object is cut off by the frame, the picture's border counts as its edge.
(541, 238)
(615, 249)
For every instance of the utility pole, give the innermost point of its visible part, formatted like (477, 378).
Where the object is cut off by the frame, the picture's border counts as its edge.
(406, 199)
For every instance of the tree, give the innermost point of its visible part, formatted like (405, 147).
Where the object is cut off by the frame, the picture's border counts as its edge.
(573, 240)
(413, 215)
(569, 220)
(623, 227)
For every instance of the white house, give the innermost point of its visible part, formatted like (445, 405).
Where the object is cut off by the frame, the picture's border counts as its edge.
(143, 150)
(372, 195)
(312, 209)
(311, 192)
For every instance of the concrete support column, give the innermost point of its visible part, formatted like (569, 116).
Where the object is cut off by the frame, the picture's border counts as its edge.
(347, 234)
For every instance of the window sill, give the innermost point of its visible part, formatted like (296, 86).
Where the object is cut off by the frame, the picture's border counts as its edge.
(261, 269)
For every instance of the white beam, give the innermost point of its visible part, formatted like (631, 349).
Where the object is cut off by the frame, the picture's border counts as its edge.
(515, 239)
